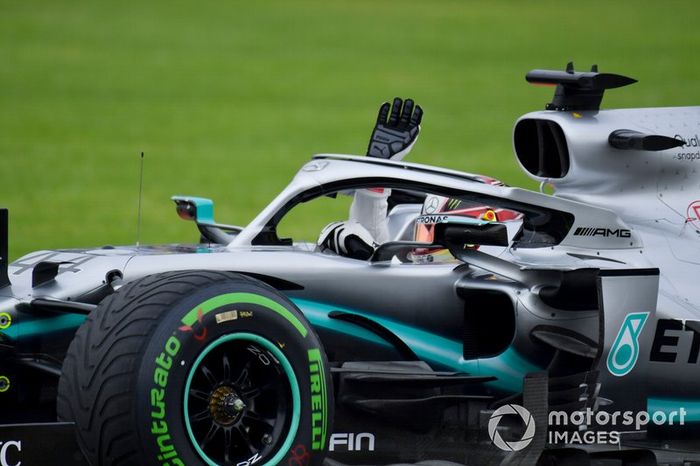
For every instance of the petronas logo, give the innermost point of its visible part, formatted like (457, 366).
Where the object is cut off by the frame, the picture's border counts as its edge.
(625, 350)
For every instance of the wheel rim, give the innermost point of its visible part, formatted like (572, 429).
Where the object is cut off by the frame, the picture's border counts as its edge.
(242, 402)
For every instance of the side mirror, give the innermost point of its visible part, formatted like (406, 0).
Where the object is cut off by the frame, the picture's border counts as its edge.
(197, 209)
(201, 211)
(456, 231)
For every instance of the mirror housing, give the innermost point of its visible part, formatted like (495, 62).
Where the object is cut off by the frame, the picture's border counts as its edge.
(459, 231)
(197, 209)
(201, 211)
(454, 232)
(460, 234)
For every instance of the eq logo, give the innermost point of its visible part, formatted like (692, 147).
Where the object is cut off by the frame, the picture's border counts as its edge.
(625, 350)
(5, 455)
(693, 214)
(527, 419)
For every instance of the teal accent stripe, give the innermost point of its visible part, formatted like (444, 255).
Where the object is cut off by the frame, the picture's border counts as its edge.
(317, 314)
(509, 366)
(667, 405)
(34, 327)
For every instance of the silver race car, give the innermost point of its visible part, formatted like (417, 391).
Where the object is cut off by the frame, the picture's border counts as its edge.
(450, 320)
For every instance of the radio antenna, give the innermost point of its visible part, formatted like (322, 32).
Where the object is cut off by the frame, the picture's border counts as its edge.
(138, 219)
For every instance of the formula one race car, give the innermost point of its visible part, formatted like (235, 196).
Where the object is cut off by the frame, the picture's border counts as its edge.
(555, 329)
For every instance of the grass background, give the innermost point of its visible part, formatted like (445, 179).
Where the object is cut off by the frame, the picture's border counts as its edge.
(228, 99)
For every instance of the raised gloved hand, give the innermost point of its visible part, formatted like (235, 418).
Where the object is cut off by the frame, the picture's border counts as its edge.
(348, 239)
(395, 133)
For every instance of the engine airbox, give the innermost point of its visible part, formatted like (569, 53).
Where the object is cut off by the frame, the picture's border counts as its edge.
(541, 148)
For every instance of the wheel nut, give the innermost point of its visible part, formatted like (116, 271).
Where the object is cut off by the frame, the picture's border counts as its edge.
(238, 405)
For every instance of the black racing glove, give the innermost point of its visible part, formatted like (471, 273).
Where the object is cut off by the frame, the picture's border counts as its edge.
(395, 134)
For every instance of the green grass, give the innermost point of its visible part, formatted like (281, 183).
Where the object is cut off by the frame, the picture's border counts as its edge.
(228, 99)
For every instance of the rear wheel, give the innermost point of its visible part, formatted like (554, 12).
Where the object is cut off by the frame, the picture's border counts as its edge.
(195, 368)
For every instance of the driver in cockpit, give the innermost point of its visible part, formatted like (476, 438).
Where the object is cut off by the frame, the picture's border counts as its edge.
(395, 132)
(394, 135)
